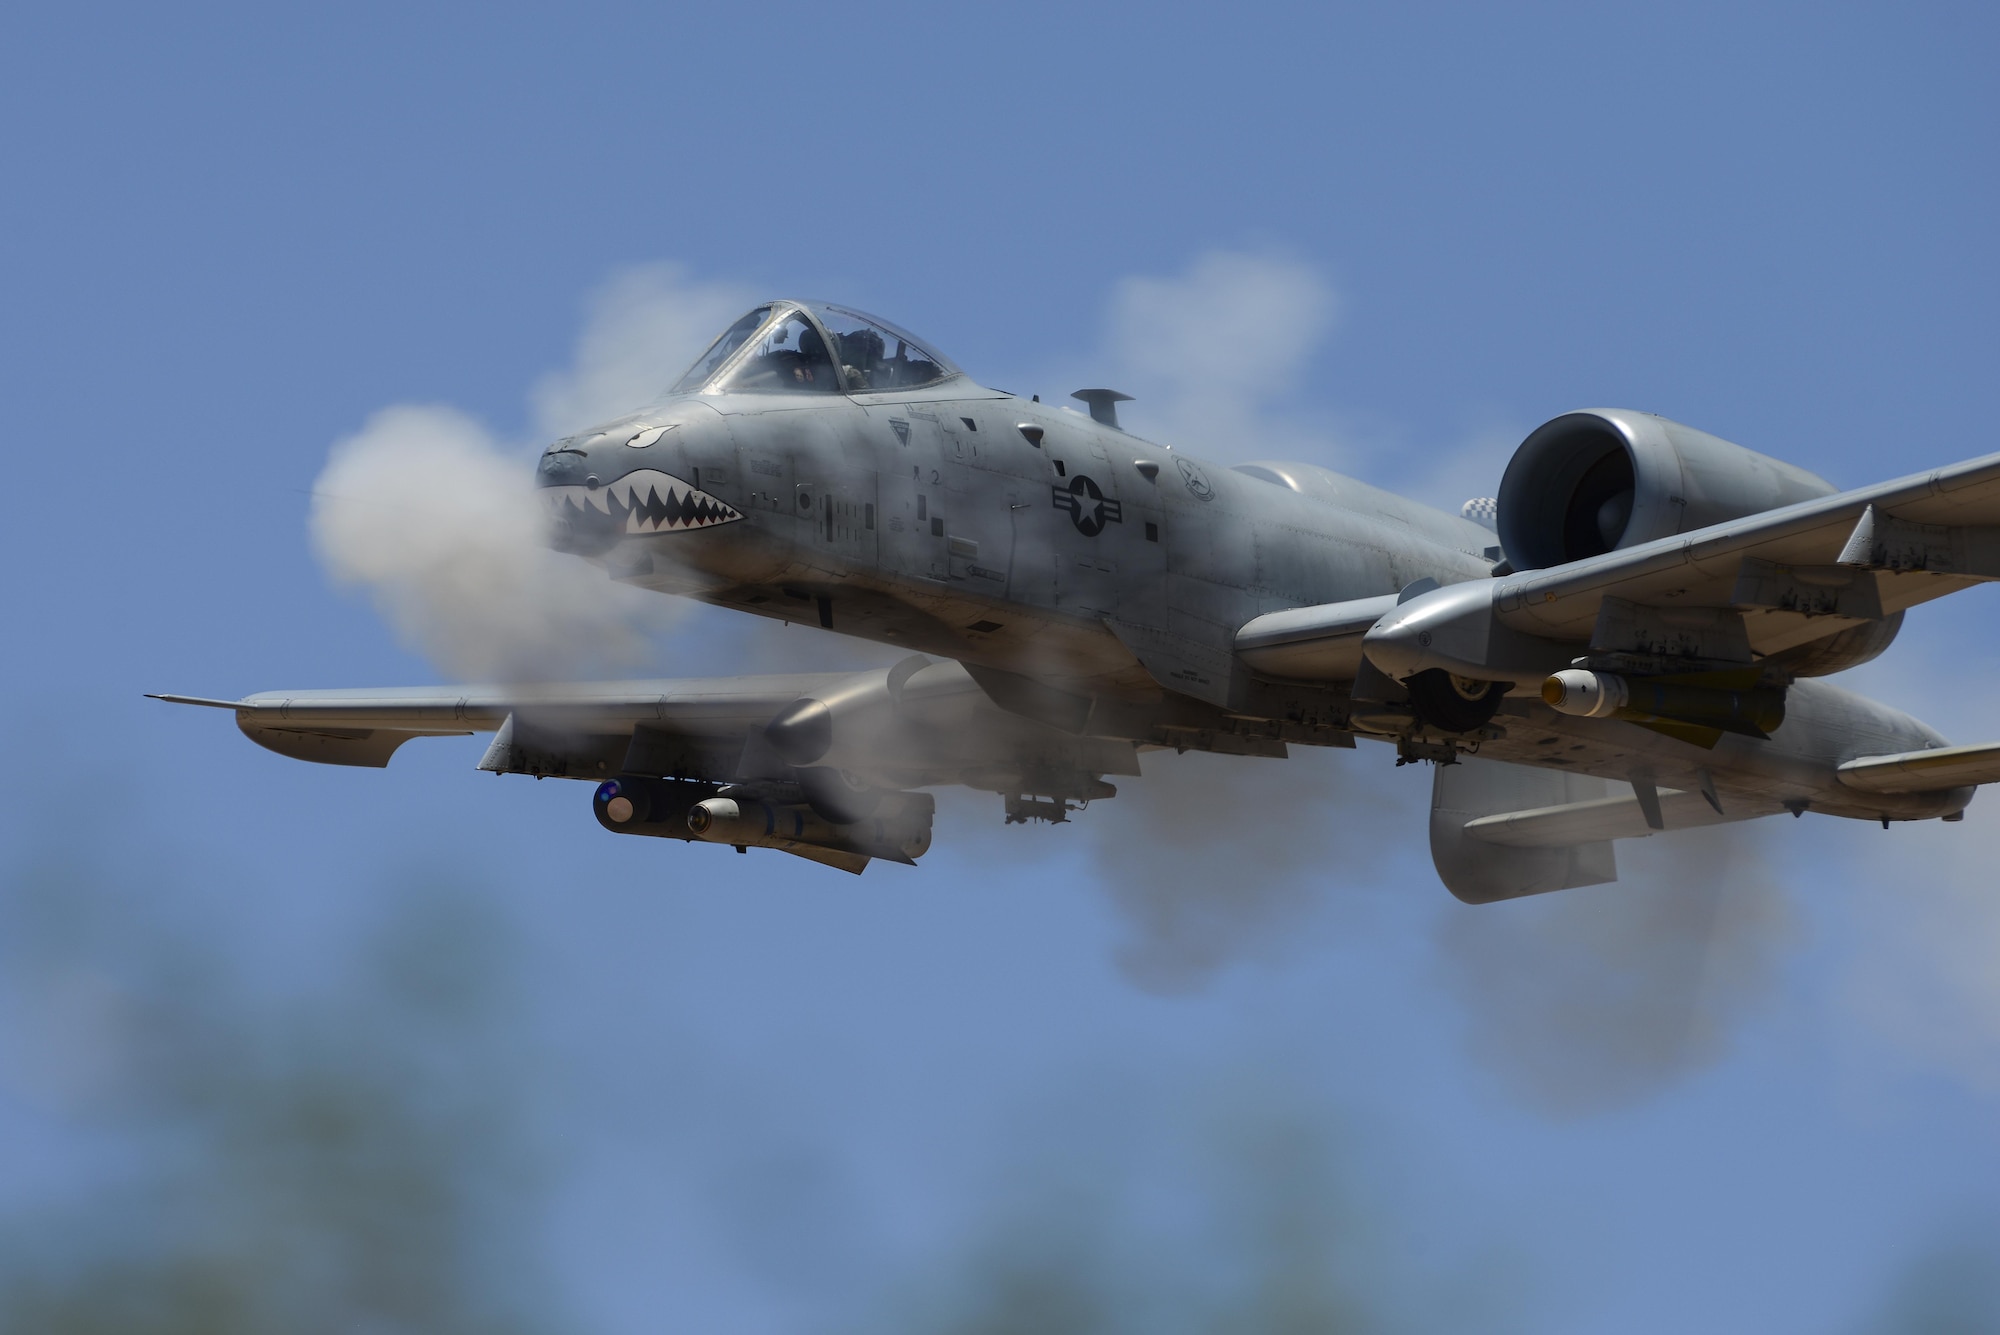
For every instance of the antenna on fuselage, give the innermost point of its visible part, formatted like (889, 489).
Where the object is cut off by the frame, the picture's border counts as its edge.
(1103, 405)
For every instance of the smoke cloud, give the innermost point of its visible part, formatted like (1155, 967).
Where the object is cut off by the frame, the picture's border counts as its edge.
(435, 517)
(1916, 922)
(1923, 976)
(643, 328)
(1924, 930)
(1591, 999)
(426, 511)
(1950, 1287)
(1211, 860)
(1220, 357)
(1212, 354)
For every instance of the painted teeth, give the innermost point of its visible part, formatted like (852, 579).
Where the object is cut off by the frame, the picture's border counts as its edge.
(647, 501)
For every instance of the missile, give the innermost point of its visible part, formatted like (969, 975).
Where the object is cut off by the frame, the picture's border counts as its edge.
(899, 829)
(1698, 700)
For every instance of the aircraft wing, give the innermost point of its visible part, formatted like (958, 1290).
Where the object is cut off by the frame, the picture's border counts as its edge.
(367, 726)
(818, 765)
(1623, 817)
(1747, 588)
(1924, 771)
(918, 724)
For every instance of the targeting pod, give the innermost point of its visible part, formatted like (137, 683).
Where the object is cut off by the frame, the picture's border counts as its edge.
(1586, 694)
(634, 804)
(1702, 700)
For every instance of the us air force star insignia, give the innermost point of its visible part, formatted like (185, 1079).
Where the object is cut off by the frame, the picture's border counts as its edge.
(1197, 481)
(1088, 508)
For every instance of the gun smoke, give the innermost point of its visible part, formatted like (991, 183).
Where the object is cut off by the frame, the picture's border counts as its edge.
(1591, 999)
(436, 518)
(1211, 860)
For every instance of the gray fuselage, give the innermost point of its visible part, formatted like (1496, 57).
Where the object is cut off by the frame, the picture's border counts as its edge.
(1096, 580)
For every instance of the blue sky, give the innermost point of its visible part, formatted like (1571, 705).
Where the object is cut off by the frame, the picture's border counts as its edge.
(1752, 1087)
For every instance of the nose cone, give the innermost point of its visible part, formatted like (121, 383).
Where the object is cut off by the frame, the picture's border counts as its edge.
(625, 482)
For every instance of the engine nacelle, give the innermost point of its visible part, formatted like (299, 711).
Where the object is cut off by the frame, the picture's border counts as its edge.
(1594, 481)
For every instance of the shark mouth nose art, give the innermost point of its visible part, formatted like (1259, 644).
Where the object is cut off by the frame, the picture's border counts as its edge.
(645, 502)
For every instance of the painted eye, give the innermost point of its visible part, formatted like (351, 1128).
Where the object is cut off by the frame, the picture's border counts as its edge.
(649, 435)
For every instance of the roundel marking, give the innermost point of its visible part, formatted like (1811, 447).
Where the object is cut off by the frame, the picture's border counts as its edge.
(1087, 505)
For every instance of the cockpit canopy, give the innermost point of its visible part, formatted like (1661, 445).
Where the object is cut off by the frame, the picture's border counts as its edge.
(794, 347)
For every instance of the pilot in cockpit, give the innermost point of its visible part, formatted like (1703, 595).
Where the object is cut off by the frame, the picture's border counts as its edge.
(793, 355)
(860, 354)
(814, 369)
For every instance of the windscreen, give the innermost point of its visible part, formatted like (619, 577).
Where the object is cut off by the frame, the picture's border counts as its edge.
(718, 352)
(788, 356)
(875, 357)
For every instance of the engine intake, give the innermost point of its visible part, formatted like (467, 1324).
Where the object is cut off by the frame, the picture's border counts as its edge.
(1595, 481)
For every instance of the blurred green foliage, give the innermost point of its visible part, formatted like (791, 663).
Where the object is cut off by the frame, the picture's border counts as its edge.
(352, 1157)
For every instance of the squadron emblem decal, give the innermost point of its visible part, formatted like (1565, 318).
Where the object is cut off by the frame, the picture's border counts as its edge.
(1088, 507)
(1197, 481)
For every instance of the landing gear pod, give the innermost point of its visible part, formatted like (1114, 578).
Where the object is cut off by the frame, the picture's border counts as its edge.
(1451, 703)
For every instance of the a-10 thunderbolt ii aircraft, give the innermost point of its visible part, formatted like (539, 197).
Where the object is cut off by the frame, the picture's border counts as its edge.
(1633, 637)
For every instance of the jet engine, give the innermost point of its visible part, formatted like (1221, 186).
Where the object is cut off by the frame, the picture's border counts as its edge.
(1594, 481)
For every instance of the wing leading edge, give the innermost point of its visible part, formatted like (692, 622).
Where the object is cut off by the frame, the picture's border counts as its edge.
(1924, 771)
(1750, 587)
(365, 727)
